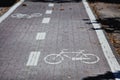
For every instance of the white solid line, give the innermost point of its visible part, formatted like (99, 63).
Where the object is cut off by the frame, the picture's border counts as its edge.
(48, 12)
(113, 63)
(41, 36)
(3, 17)
(33, 59)
(51, 5)
(46, 20)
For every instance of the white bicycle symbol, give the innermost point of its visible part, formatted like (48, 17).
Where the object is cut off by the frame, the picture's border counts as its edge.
(58, 58)
(20, 15)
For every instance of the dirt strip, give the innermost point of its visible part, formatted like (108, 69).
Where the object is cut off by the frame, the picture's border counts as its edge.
(3, 10)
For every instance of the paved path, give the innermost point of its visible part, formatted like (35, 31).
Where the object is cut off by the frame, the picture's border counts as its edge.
(28, 44)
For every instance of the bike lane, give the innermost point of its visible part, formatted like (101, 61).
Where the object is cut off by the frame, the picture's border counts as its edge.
(69, 28)
(74, 34)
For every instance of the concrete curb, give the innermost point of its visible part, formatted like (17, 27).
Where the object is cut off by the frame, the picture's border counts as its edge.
(108, 53)
(4, 16)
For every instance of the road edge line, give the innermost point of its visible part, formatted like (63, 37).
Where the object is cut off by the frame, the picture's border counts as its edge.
(109, 55)
(5, 15)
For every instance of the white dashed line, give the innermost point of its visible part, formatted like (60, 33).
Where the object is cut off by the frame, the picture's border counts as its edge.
(33, 59)
(51, 5)
(46, 20)
(40, 36)
(113, 63)
(48, 12)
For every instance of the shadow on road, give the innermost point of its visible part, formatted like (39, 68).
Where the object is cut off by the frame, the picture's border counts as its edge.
(7, 3)
(57, 1)
(106, 1)
(111, 25)
(107, 76)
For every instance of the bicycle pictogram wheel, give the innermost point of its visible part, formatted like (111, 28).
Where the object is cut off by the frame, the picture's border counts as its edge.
(53, 59)
(90, 59)
(19, 15)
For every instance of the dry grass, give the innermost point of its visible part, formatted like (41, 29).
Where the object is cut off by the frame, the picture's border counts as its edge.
(3, 10)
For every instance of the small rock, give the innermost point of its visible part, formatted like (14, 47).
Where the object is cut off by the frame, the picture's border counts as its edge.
(61, 9)
(24, 4)
(69, 77)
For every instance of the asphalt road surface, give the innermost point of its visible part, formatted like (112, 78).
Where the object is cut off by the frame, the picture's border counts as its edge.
(51, 41)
